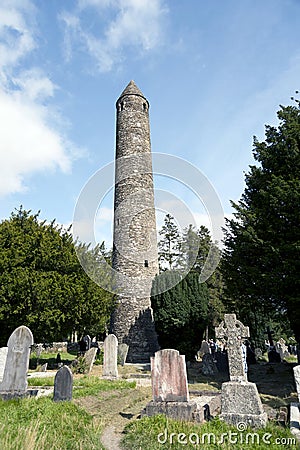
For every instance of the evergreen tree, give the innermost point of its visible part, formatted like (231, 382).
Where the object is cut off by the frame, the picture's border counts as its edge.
(262, 241)
(42, 284)
(180, 313)
(169, 244)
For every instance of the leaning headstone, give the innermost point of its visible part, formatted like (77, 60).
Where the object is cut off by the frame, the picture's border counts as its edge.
(3, 355)
(122, 353)
(90, 357)
(170, 389)
(240, 402)
(110, 358)
(63, 385)
(14, 383)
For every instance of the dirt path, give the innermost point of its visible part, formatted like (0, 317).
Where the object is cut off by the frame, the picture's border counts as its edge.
(116, 409)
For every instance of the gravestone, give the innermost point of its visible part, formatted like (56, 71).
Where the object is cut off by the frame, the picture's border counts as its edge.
(209, 366)
(282, 349)
(3, 355)
(240, 402)
(14, 382)
(170, 390)
(235, 331)
(296, 370)
(87, 340)
(169, 378)
(203, 349)
(110, 358)
(90, 357)
(63, 385)
(122, 353)
(295, 407)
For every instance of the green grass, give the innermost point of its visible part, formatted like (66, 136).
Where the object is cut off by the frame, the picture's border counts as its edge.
(89, 385)
(40, 381)
(35, 424)
(154, 433)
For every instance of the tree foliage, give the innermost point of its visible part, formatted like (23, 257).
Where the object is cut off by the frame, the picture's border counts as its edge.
(262, 241)
(184, 312)
(42, 284)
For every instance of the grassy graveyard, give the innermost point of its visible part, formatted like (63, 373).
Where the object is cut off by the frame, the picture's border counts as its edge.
(98, 405)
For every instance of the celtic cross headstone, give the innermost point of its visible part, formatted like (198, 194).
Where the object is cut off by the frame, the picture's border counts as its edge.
(234, 331)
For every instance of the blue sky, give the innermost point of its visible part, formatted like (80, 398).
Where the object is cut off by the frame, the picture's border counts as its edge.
(214, 72)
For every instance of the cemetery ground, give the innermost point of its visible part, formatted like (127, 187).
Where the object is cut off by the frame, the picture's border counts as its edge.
(105, 414)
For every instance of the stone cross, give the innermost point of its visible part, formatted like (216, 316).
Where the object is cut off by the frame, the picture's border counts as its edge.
(169, 378)
(63, 385)
(14, 383)
(110, 358)
(234, 331)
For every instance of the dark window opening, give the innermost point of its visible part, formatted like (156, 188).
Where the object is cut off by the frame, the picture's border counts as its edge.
(145, 106)
(146, 263)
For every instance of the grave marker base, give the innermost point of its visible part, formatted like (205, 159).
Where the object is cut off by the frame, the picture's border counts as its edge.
(241, 404)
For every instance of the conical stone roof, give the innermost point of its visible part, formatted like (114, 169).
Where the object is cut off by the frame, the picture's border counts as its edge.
(132, 89)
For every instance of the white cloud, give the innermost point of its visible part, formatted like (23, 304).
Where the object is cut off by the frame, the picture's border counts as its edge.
(136, 23)
(29, 139)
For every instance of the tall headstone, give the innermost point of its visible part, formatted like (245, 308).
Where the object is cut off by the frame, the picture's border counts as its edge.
(63, 385)
(14, 383)
(3, 356)
(169, 377)
(110, 358)
(240, 402)
(135, 257)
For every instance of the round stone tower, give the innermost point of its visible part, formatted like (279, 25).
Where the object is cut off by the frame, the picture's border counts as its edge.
(135, 258)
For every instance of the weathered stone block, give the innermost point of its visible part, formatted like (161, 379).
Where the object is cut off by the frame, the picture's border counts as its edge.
(240, 402)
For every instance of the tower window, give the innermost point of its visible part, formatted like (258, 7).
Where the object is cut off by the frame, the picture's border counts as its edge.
(146, 263)
(122, 106)
(145, 106)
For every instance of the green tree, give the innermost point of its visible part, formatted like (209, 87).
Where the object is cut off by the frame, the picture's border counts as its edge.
(42, 284)
(180, 313)
(262, 241)
(169, 244)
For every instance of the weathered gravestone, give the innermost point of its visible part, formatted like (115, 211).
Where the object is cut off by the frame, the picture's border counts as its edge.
(295, 407)
(296, 370)
(170, 389)
(3, 356)
(63, 385)
(87, 340)
(169, 378)
(14, 383)
(89, 358)
(110, 358)
(240, 401)
(122, 353)
(209, 366)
